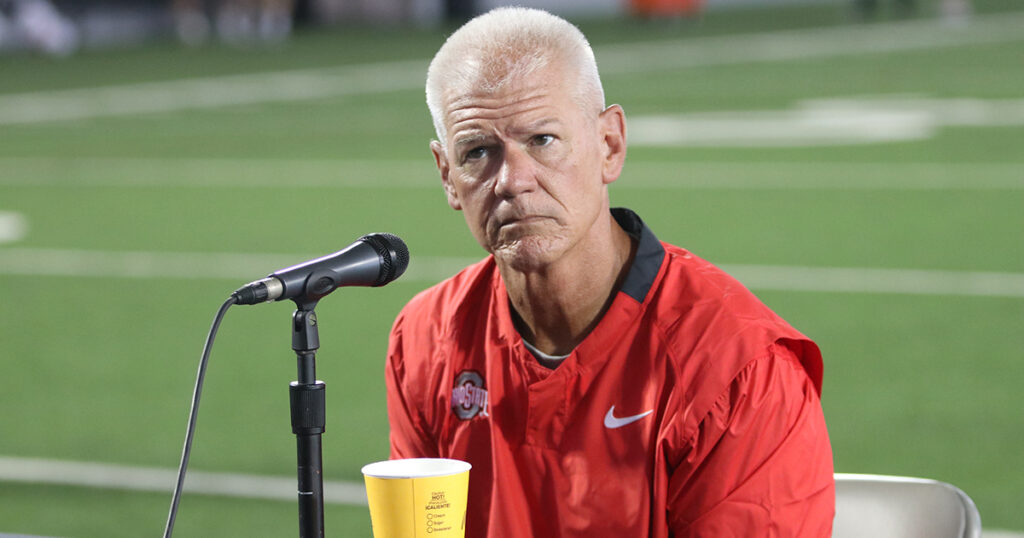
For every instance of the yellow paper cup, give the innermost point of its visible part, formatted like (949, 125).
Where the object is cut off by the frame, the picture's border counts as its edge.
(418, 497)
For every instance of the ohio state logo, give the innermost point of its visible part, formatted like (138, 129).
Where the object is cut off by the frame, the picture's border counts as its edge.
(469, 396)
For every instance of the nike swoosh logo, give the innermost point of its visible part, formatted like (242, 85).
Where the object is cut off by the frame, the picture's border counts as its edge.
(611, 421)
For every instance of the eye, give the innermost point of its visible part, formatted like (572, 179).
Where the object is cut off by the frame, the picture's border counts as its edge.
(476, 153)
(543, 139)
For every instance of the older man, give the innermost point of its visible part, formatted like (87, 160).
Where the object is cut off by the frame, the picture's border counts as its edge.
(601, 383)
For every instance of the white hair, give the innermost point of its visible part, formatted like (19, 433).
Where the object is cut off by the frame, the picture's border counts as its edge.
(506, 44)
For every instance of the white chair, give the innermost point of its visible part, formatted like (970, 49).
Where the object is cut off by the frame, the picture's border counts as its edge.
(875, 506)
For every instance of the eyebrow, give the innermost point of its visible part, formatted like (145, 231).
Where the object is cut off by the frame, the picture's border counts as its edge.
(470, 139)
(542, 122)
(537, 125)
(477, 138)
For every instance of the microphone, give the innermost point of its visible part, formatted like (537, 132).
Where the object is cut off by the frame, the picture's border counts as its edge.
(373, 260)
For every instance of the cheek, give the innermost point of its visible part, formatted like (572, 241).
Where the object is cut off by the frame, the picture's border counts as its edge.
(474, 202)
(478, 223)
(555, 157)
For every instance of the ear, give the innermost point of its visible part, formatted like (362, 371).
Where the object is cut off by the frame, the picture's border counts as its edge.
(441, 160)
(612, 123)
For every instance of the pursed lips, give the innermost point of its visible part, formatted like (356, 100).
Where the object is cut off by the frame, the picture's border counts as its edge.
(520, 220)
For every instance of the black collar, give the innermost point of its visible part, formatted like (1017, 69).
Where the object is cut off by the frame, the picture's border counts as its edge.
(649, 254)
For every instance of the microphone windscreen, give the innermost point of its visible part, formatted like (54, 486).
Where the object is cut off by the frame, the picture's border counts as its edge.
(393, 252)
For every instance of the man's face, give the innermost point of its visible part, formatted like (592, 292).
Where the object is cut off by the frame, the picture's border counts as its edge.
(528, 166)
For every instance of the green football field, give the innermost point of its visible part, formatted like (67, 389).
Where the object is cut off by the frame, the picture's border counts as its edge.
(866, 180)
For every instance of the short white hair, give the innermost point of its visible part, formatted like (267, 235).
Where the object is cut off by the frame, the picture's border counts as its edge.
(507, 44)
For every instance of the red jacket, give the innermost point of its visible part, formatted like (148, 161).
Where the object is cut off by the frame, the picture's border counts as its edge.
(690, 410)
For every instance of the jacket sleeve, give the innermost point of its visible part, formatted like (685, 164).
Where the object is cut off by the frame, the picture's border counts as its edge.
(409, 438)
(760, 462)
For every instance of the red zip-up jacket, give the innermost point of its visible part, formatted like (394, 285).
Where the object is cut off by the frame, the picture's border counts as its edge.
(690, 410)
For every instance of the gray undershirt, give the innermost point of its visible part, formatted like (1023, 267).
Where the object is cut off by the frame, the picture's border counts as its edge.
(548, 361)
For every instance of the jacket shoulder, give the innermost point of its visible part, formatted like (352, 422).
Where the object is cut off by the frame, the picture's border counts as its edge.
(439, 309)
(705, 312)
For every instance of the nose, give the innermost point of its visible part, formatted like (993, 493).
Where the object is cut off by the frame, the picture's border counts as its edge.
(515, 174)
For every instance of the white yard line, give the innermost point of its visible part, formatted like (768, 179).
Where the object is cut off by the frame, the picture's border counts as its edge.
(831, 176)
(297, 85)
(257, 173)
(125, 477)
(869, 280)
(825, 122)
(210, 92)
(111, 476)
(13, 226)
(106, 475)
(264, 173)
(186, 265)
(428, 269)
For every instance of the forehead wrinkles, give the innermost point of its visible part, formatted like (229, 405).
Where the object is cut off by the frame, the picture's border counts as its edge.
(470, 112)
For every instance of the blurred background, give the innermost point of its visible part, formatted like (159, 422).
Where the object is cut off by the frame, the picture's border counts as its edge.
(859, 164)
(60, 27)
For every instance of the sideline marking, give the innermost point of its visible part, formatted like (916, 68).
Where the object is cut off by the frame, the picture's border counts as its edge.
(264, 173)
(432, 269)
(306, 84)
(13, 227)
(111, 476)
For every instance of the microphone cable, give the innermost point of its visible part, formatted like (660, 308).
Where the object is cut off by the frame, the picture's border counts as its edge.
(191, 429)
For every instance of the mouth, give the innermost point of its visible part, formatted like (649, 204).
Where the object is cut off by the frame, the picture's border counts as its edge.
(527, 218)
(521, 221)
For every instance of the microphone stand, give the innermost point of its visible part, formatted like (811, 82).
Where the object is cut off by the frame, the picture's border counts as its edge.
(308, 413)
(373, 260)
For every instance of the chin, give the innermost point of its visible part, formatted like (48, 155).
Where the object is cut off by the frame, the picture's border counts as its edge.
(531, 253)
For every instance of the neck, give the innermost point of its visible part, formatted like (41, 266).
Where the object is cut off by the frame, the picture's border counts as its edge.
(555, 307)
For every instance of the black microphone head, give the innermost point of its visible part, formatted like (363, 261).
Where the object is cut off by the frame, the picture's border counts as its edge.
(393, 252)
